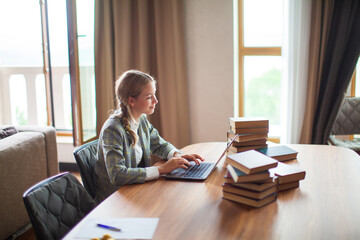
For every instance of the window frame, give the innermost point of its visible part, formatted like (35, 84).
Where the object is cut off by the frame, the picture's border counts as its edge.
(74, 71)
(249, 51)
(47, 63)
(352, 87)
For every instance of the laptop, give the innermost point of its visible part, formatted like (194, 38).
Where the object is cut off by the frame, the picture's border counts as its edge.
(197, 172)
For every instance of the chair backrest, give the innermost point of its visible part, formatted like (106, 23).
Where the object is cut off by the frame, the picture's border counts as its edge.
(347, 121)
(57, 204)
(85, 156)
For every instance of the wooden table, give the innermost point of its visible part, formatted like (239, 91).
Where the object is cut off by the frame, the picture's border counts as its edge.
(325, 206)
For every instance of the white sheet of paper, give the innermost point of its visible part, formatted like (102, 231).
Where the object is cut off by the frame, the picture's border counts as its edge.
(131, 228)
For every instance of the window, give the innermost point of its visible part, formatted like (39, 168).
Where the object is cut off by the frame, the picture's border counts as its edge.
(21, 63)
(36, 85)
(355, 81)
(354, 90)
(82, 68)
(260, 33)
(59, 64)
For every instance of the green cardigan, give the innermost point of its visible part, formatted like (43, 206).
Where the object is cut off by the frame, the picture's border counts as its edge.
(116, 162)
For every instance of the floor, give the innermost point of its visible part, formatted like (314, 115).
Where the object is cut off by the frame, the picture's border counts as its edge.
(30, 234)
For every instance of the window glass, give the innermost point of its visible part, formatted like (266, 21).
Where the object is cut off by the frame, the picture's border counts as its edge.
(59, 57)
(263, 23)
(21, 60)
(41, 100)
(18, 99)
(357, 79)
(20, 41)
(85, 29)
(67, 101)
(262, 89)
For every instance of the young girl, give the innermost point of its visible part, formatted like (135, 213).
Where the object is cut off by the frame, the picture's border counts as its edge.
(127, 139)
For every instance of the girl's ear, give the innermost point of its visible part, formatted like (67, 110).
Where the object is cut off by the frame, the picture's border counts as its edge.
(131, 101)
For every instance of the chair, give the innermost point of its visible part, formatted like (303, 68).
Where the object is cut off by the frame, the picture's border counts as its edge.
(347, 122)
(57, 204)
(85, 156)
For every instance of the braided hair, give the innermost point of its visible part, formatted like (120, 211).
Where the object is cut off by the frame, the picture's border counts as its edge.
(129, 84)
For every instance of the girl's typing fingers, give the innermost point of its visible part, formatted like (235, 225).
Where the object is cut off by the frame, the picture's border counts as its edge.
(198, 157)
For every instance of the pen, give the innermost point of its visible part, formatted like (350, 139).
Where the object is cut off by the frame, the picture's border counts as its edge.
(109, 227)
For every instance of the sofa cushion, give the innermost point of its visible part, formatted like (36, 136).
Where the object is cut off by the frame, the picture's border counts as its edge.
(50, 143)
(22, 164)
(8, 131)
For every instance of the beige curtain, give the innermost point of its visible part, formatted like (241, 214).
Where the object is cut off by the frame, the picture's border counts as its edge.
(320, 21)
(147, 35)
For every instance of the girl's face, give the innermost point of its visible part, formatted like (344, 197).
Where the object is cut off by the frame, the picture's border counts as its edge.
(145, 102)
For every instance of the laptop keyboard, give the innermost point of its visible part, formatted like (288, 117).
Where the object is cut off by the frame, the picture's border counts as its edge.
(198, 170)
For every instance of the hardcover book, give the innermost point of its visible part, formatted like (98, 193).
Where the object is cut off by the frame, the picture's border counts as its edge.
(249, 193)
(287, 186)
(229, 179)
(249, 130)
(239, 176)
(260, 186)
(280, 153)
(286, 173)
(249, 201)
(256, 142)
(246, 136)
(251, 161)
(245, 148)
(248, 122)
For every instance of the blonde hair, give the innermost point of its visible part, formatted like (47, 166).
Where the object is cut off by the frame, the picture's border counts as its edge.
(129, 84)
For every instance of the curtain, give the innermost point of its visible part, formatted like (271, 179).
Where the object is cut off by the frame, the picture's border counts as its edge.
(334, 50)
(147, 35)
(297, 16)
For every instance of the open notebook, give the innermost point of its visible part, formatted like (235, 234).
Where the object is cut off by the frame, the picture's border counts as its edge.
(197, 172)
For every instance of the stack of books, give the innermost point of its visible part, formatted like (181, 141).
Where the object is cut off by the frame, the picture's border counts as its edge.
(248, 180)
(255, 171)
(287, 176)
(253, 133)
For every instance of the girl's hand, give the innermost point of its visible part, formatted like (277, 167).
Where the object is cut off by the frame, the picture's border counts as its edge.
(190, 157)
(172, 164)
(179, 161)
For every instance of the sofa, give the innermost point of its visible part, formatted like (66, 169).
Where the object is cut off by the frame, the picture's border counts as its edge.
(28, 154)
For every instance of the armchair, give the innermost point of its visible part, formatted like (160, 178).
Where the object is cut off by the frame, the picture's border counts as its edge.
(347, 123)
(26, 157)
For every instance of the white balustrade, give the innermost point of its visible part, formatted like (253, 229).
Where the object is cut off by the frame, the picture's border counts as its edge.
(30, 74)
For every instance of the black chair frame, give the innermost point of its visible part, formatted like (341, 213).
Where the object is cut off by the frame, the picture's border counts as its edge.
(40, 217)
(85, 157)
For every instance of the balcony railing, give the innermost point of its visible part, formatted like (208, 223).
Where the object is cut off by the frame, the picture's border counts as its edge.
(23, 96)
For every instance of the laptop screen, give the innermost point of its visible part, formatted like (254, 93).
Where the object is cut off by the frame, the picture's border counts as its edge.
(227, 147)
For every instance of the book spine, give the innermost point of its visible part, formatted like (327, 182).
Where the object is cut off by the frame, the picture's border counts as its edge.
(248, 130)
(237, 165)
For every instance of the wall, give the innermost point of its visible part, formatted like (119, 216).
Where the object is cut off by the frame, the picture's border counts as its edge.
(65, 149)
(209, 43)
